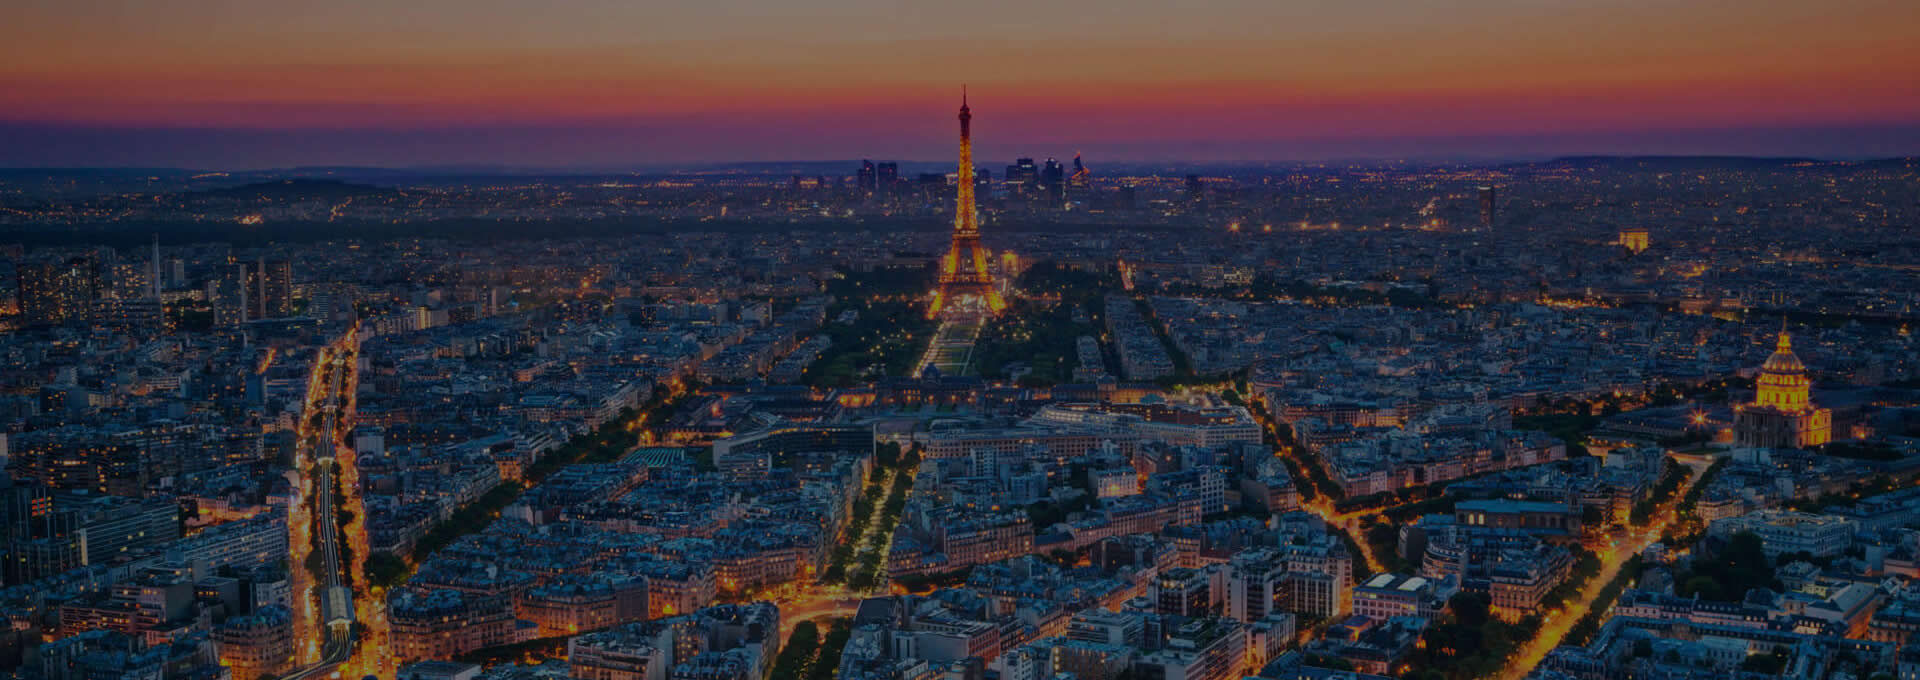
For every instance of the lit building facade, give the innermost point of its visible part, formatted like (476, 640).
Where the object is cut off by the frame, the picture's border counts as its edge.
(257, 644)
(1783, 532)
(1385, 596)
(441, 623)
(1635, 240)
(1782, 414)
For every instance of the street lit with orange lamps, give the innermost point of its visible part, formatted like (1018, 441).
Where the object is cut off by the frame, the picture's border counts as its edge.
(1320, 505)
(1555, 625)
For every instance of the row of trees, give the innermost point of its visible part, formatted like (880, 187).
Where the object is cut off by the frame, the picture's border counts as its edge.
(891, 459)
(873, 561)
(827, 666)
(856, 530)
(1588, 625)
(1468, 645)
(1278, 436)
(608, 442)
(871, 549)
(1309, 463)
(1586, 566)
(1268, 287)
(807, 656)
(1726, 573)
(1468, 642)
(1671, 477)
(1692, 500)
(1184, 374)
(802, 647)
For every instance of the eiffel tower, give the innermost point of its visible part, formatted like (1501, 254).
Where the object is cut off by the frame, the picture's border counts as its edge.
(965, 286)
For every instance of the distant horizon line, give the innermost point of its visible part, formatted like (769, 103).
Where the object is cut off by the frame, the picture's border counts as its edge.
(512, 168)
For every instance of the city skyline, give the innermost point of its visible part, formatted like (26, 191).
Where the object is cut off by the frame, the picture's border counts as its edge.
(987, 340)
(207, 86)
(1277, 422)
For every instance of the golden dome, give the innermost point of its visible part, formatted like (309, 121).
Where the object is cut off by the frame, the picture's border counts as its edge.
(1783, 361)
(1783, 382)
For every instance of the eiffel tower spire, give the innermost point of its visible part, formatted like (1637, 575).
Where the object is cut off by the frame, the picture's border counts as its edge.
(965, 284)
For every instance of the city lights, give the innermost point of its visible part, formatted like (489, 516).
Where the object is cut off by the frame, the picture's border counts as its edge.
(675, 341)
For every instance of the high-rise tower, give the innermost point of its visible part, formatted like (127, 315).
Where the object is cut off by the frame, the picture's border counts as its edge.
(153, 271)
(965, 285)
(869, 180)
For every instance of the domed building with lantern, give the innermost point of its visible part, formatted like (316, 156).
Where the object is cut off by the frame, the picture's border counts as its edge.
(1782, 414)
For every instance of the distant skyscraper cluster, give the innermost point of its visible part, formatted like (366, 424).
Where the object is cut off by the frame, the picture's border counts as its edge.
(1047, 184)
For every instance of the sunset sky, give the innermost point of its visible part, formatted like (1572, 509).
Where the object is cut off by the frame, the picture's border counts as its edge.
(620, 83)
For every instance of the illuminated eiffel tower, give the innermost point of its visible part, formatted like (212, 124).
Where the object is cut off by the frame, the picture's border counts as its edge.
(965, 286)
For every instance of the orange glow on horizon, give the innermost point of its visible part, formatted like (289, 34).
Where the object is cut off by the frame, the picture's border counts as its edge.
(1850, 57)
(756, 77)
(485, 95)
